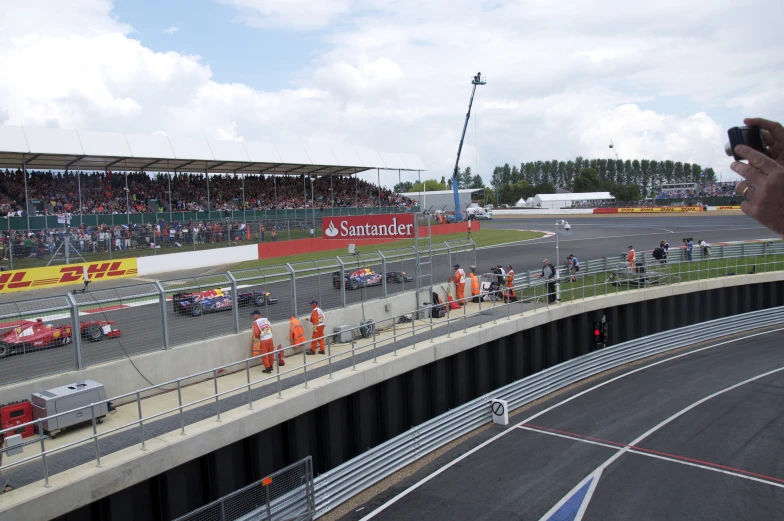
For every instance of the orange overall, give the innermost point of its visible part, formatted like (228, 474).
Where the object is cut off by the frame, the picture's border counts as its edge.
(262, 341)
(460, 285)
(474, 284)
(296, 333)
(630, 258)
(317, 319)
(510, 284)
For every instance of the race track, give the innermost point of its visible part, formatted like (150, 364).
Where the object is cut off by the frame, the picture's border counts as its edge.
(590, 237)
(692, 435)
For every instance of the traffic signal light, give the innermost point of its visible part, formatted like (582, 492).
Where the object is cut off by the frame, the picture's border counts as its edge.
(598, 333)
(605, 332)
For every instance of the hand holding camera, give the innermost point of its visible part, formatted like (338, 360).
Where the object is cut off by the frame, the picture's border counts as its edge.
(762, 144)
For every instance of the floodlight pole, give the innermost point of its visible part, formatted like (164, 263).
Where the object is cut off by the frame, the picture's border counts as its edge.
(476, 80)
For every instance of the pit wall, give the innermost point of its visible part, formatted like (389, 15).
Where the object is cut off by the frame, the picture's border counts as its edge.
(120, 376)
(335, 420)
(157, 264)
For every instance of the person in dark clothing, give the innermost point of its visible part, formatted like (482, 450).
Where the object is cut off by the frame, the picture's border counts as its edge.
(548, 273)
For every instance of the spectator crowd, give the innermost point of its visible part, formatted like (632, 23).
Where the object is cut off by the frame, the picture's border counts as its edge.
(723, 189)
(104, 193)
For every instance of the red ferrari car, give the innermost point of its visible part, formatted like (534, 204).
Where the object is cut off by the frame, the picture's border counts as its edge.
(32, 335)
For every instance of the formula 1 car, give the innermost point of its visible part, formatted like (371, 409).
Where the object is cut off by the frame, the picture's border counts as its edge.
(195, 304)
(33, 335)
(364, 277)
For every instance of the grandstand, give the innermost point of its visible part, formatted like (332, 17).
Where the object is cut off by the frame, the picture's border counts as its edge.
(53, 171)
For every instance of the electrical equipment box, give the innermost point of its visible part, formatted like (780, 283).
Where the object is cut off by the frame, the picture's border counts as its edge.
(343, 333)
(73, 399)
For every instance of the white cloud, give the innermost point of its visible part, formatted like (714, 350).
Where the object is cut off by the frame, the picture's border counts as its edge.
(660, 80)
(171, 30)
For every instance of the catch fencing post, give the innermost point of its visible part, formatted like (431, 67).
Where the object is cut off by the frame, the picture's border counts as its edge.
(164, 319)
(235, 308)
(342, 282)
(293, 290)
(383, 272)
(75, 331)
(473, 247)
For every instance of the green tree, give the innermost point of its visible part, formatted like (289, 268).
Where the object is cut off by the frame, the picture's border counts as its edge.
(403, 187)
(477, 182)
(587, 181)
(626, 192)
(429, 185)
(709, 176)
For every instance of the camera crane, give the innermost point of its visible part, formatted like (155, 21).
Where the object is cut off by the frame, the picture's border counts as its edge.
(476, 80)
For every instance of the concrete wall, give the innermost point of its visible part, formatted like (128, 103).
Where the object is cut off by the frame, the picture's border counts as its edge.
(195, 259)
(121, 377)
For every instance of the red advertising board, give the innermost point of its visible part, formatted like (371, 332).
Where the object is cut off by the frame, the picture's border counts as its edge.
(357, 227)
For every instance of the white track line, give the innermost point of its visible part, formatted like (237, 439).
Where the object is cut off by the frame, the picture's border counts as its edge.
(597, 472)
(540, 413)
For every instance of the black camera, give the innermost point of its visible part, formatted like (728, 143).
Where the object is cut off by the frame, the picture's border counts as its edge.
(749, 136)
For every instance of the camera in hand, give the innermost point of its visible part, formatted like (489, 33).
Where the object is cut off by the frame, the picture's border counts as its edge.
(749, 136)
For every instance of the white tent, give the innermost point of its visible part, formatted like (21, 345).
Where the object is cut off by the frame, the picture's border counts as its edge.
(570, 200)
(442, 199)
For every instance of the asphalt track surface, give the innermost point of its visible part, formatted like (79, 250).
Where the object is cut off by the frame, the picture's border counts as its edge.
(698, 435)
(590, 237)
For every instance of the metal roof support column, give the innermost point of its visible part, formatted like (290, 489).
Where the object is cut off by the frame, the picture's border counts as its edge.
(168, 175)
(356, 187)
(79, 189)
(127, 205)
(27, 198)
(207, 175)
(331, 194)
(244, 217)
(378, 176)
(275, 185)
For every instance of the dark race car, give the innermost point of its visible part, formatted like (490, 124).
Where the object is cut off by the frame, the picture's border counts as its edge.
(196, 304)
(365, 277)
(33, 335)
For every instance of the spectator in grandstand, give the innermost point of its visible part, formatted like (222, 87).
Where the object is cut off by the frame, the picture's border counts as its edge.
(763, 184)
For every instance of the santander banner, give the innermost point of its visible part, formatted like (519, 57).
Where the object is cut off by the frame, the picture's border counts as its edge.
(386, 226)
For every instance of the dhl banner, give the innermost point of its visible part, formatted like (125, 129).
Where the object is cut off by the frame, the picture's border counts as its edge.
(68, 275)
(654, 209)
(728, 207)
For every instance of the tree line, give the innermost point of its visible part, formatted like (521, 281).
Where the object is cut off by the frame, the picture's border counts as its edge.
(627, 180)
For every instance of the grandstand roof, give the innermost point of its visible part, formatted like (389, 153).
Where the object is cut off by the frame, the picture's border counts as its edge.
(442, 192)
(58, 149)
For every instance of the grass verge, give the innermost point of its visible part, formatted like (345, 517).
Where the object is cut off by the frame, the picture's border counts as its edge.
(482, 238)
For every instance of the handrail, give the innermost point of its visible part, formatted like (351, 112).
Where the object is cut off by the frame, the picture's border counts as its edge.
(495, 296)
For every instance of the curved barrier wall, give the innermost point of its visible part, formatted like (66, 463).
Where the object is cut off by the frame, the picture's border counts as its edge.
(335, 420)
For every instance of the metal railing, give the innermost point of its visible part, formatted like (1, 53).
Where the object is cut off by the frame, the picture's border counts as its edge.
(151, 318)
(284, 495)
(345, 481)
(414, 327)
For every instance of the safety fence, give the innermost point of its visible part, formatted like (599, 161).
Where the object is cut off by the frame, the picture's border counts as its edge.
(50, 335)
(284, 495)
(363, 344)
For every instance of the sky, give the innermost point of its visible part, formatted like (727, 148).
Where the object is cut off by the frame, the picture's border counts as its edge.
(662, 80)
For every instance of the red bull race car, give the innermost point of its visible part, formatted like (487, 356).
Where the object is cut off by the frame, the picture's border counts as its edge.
(196, 304)
(365, 277)
(33, 335)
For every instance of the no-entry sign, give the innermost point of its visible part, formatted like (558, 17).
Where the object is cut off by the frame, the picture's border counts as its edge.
(387, 226)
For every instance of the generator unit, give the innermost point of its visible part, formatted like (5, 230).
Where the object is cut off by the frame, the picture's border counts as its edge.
(343, 333)
(75, 399)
